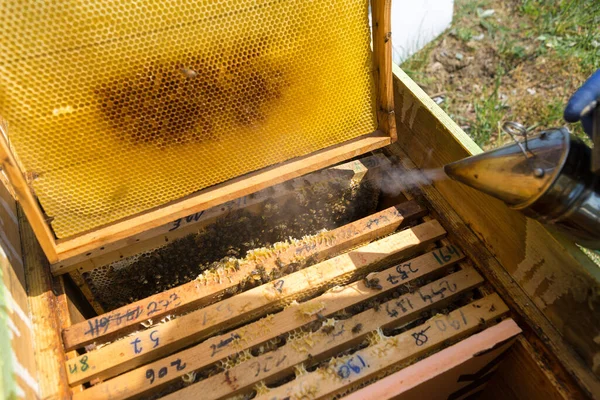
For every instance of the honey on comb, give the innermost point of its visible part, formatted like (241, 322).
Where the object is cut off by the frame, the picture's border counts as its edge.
(135, 106)
(172, 103)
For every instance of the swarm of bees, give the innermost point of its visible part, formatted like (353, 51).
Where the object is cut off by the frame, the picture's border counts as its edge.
(216, 250)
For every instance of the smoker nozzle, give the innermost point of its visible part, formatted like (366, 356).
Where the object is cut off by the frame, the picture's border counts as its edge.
(549, 179)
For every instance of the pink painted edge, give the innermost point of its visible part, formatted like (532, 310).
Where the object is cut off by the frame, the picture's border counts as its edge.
(437, 364)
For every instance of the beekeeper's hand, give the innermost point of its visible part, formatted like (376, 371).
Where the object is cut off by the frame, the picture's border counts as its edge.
(581, 104)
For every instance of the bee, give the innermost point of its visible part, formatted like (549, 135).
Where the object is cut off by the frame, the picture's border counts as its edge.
(291, 268)
(376, 306)
(189, 73)
(327, 329)
(372, 283)
(309, 261)
(328, 326)
(258, 274)
(357, 328)
(233, 252)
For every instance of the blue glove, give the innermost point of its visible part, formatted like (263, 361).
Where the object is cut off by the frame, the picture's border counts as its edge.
(583, 102)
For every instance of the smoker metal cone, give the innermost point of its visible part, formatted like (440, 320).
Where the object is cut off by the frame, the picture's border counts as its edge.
(509, 175)
(550, 181)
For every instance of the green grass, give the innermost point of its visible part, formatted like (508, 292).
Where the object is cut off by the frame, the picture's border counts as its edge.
(489, 112)
(563, 36)
(569, 27)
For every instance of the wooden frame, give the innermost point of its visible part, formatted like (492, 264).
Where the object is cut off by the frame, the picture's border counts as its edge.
(550, 279)
(393, 351)
(116, 357)
(203, 292)
(245, 375)
(459, 370)
(116, 371)
(365, 168)
(357, 171)
(127, 229)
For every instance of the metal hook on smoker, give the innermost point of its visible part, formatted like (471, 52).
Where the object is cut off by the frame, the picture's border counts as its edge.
(515, 129)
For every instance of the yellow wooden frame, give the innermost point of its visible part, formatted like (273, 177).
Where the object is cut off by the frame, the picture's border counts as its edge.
(125, 231)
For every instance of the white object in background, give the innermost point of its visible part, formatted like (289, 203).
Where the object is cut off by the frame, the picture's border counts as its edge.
(416, 23)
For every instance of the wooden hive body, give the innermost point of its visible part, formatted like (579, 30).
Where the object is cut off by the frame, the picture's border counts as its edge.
(414, 290)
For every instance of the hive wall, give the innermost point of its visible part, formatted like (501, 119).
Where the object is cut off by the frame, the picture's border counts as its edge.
(115, 108)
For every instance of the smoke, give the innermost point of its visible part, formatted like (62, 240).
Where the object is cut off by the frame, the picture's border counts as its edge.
(394, 181)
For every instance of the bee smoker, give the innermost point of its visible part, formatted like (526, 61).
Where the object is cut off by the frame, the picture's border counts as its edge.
(548, 177)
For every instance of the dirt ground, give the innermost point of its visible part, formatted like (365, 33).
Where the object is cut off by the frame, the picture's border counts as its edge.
(510, 61)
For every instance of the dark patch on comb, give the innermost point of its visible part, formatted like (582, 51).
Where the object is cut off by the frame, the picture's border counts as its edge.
(169, 103)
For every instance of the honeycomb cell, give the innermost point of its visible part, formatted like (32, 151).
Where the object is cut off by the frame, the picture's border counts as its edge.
(114, 108)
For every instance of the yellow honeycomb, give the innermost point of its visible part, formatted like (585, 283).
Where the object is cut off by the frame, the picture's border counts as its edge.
(115, 107)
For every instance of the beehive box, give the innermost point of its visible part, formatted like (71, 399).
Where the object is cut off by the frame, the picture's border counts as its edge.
(390, 287)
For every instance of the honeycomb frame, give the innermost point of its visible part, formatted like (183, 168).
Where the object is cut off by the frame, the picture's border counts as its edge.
(92, 242)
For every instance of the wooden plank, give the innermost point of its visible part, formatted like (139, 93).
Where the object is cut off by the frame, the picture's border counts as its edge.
(85, 289)
(455, 372)
(293, 317)
(17, 368)
(345, 372)
(198, 293)
(41, 289)
(523, 375)
(553, 346)
(556, 280)
(10, 239)
(66, 314)
(353, 171)
(215, 195)
(74, 312)
(381, 11)
(348, 332)
(25, 197)
(153, 343)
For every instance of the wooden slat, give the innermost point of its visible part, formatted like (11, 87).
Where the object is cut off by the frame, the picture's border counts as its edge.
(367, 363)
(85, 289)
(552, 345)
(552, 272)
(280, 362)
(26, 199)
(66, 315)
(19, 371)
(360, 170)
(215, 195)
(10, 239)
(381, 11)
(259, 332)
(456, 372)
(196, 293)
(153, 343)
(42, 292)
